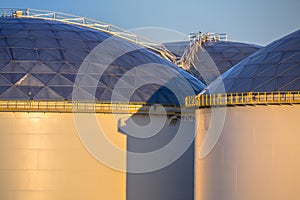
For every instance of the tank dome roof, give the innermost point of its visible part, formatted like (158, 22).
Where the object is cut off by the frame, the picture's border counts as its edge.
(275, 67)
(40, 59)
(225, 54)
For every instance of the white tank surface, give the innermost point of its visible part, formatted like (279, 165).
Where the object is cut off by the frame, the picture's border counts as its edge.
(256, 154)
(45, 159)
(71, 91)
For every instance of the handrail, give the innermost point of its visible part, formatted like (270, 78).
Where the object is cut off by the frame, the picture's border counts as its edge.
(243, 99)
(205, 37)
(89, 23)
(186, 61)
(89, 107)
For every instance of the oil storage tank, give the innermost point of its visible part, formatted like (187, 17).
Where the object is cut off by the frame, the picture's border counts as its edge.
(256, 152)
(60, 77)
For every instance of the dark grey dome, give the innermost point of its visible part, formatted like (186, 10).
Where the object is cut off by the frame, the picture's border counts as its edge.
(275, 67)
(40, 59)
(225, 54)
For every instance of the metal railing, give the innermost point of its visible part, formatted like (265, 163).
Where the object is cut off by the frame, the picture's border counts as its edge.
(205, 37)
(89, 107)
(242, 99)
(186, 61)
(90, 23)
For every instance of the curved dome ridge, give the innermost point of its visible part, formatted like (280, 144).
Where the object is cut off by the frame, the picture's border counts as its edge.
(40, 59)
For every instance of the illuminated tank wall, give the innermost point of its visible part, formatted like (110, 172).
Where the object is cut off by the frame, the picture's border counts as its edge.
(256, 156)
(45, 159)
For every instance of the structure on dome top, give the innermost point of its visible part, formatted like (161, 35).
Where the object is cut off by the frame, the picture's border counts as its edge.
(207, 56)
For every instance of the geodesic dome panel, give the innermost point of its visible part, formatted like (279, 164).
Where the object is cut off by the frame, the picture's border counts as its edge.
(224, 54)
(275, 67)
(40, 59)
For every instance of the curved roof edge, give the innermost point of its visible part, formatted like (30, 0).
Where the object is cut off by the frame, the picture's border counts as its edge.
(89, 23)
(274, 68)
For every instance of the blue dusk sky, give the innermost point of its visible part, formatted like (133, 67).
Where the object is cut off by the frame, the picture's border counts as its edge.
(254, 21)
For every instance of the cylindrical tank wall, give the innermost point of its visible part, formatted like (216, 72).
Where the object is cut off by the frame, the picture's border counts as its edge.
(175, 181)
(256, 157)
(43, 159)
